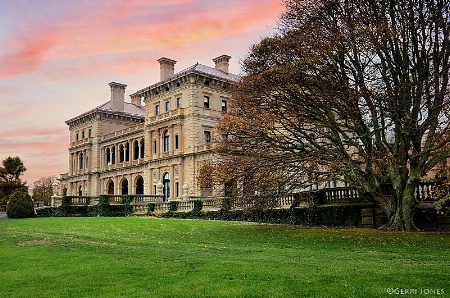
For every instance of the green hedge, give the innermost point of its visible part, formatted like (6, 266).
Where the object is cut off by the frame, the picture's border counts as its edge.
(314, 216)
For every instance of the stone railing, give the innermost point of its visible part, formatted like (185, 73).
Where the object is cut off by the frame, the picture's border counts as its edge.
(81, 142)
(121, 132)
(305, 199)
(426, 191)
(171, 113)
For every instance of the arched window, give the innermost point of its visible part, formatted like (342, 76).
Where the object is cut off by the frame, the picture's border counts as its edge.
(80, 190)
(166, 184)
(127, 152)
(124, 187)
(136, 150)
(166, 141)
(113, 155)
(121, 154)
(110, 187)
(140, 185)
(142, 148)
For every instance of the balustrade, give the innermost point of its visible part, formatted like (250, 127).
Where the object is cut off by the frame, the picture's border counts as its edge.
(302, 199)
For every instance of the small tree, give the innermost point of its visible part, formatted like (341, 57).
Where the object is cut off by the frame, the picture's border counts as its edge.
(10, 180)
(20, 205)
(43, 189)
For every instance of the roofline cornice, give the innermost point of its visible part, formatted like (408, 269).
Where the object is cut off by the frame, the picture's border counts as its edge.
(98, 114)
(183, 76)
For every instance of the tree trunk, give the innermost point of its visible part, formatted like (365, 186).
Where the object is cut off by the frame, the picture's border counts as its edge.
(402, 213)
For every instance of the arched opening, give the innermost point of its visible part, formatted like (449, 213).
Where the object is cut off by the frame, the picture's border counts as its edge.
(127, 152)
(110, 187)
(113, 155)
(80, 190)
(121, 154)
(136, 150)
(140, 185)
(64, 191)
(166, 184)
(142, 149)
(124, 187)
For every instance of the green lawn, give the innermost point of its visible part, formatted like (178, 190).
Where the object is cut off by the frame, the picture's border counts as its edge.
(150, 257)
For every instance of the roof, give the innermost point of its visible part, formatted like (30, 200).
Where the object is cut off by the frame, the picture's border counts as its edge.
(198, 68)
(209, 71)
(128, 109)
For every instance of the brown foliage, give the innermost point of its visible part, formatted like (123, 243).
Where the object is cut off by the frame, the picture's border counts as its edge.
(356, 90)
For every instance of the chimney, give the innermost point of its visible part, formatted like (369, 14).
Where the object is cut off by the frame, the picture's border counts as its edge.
(222, 63)
(167, 67)
(117, 96)
(136, 100)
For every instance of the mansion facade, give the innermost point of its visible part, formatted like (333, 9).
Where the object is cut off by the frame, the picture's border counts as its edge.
(124, 148)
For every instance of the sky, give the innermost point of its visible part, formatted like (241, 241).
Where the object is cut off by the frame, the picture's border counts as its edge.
(57, 58)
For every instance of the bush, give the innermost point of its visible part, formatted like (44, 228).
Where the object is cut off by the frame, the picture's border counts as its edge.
(346, 215)
(20, 205)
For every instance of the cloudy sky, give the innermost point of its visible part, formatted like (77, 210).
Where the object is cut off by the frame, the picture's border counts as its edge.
(58, 56)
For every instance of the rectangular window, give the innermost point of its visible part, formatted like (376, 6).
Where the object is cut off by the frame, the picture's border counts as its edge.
(155, 146)
(167, 106)
(177, 191)
(206, 102)
(157, 110)
(207, 137)
(176, 141)
(154, 189)
(83, 134)
(178, 102)
(224, 105)
(76, 137)
(90, 132)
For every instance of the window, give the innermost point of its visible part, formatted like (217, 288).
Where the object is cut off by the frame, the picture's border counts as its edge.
(157, 110)
(76, 137)
(155, 146)
(167, 106)
(136, 150)
(177, 189)
(206, 102)
(178, 102)
(142, 149)
(83, 134)
(207, 137)
(166, 141)
(176, 141)
(90, 132)
(81, 161)
(121, 153)
(224, 105)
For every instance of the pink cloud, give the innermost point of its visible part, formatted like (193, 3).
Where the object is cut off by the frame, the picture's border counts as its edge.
(126, 29)
(9, 90)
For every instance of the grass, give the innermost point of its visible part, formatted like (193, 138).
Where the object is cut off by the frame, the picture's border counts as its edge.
(149, 257)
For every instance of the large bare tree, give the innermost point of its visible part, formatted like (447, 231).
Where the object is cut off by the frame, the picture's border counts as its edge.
(356, 90)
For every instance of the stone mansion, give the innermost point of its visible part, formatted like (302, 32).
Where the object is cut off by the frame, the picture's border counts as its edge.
(121, 148)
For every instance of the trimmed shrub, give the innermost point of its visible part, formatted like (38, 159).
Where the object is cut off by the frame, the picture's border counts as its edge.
(173, 206)
(20, 205)
(150, 208)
